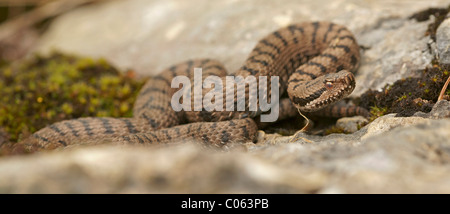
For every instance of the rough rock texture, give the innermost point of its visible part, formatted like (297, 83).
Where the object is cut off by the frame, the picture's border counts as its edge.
(443, 41)
(351, 124)
(440, 110)
(376, 159)
(388, 122)
(398, 49)
(389, 155)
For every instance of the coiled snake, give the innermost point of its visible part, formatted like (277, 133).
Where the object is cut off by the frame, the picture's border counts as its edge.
(314, 62)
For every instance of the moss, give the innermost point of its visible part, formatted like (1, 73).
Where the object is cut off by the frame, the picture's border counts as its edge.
(376, 112)
(47, 89)
(402, 98)
(335, 130)
(399, 98)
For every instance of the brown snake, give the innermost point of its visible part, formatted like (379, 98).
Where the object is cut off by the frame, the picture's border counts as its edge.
(314, 62)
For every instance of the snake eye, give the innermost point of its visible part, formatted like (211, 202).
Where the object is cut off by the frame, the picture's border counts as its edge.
(328, 84)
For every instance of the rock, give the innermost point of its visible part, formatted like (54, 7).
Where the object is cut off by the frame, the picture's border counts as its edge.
(401, 160)
(388, 122)
(351, 124)
(390, 155)
(440, 110)
(397, 49)
(443, 41)
(412, 159)
(183, 168)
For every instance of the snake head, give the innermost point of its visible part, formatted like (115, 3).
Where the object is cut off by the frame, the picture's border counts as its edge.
(323, 91)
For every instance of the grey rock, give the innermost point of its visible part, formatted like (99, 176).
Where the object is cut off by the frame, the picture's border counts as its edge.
(397, 49)
(388, 122)
(443, 41)
(390, 155)
(412, 159)
(351, 124)
(400, 160)
(184, 168)
(440, 110)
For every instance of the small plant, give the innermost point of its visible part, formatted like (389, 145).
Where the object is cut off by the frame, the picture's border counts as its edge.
(401, 98)
(376, 112)
(335, 130)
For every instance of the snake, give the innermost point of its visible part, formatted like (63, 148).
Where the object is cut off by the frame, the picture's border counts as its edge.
(314, 61)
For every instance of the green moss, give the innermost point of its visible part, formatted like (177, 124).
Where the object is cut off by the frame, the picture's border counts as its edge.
(47, 89)
(376, 112)
(335, 130)
(401, 98)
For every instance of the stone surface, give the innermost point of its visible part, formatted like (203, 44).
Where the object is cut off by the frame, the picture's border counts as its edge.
(440, 110)
(412, 159)
(397, 49)
(443, 41)
(388, 122)
(389, 155)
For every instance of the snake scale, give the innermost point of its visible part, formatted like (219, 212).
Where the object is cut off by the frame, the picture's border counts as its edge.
(314, 61)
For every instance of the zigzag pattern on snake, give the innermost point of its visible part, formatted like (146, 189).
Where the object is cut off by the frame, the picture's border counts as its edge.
(315, 63)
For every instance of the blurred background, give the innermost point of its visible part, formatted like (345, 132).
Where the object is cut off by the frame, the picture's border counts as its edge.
(22, 21)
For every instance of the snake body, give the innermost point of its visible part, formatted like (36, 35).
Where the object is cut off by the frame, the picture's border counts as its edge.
(315, 64)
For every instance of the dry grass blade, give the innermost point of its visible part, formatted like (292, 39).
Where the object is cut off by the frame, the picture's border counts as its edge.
(441, 95)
